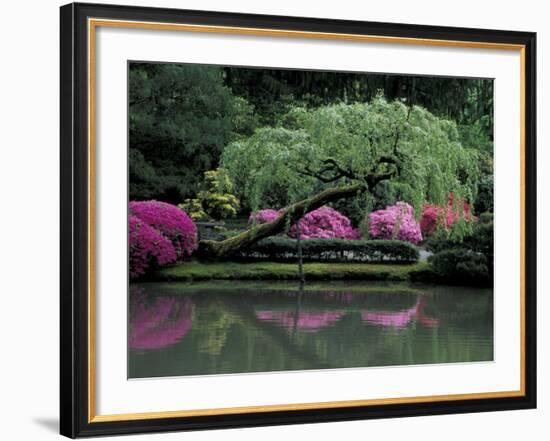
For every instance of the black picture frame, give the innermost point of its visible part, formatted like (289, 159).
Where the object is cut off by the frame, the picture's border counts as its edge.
(75, 414)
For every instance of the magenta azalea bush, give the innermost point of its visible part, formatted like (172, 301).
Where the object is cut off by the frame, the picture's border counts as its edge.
(263, 216)
(172, 222)
(395, 222)
(325, 223)
(148, 247)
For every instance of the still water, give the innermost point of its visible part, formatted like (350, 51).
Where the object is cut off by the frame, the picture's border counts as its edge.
(229, 327)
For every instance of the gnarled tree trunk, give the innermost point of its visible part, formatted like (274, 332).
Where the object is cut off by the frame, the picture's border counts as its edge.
(227, 247)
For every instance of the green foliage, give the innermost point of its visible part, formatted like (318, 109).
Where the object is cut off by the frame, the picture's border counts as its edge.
(441, 240)
(258, 166)
(479, 136)
(180, 120)
(215, 200)
(484, 201)
(217, 196)
(245, 120)
(335, 145)
(193, 207)
(332, 250)
(274, 91)
(486, 218)
(467, 260)
(462, 266)
(480, 239)
(476, 135)
(181, 117)
(288, 271)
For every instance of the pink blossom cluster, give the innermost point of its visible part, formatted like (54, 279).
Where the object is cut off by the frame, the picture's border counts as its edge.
(434, 216)
(395, 222)
(263, 216)
(325, 223)
(171, 221)
(159, 233)
(147, 246)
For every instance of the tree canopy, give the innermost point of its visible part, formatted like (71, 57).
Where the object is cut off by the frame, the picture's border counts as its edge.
(344, 151)
(181, 117)
(419, 154)
(272, 91)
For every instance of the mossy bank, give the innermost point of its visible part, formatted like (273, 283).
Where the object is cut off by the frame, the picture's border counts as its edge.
(200, 270)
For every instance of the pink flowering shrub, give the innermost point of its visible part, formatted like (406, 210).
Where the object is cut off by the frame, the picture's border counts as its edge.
(395, 222)
(148, 247)
(263, 216)
(172, 222)
(434, 216)
(325, 223)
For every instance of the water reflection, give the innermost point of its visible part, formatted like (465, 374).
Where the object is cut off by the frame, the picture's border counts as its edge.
(303, 320)
(401, 319)
(157, 322)
(194, 329)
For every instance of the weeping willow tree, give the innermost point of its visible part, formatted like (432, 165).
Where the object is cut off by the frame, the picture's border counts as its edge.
(344, 151)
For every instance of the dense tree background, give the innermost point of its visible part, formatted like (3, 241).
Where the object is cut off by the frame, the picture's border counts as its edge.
(272, 91)
(183, 116)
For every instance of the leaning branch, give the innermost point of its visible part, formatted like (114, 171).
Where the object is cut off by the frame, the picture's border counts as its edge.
(290, 215)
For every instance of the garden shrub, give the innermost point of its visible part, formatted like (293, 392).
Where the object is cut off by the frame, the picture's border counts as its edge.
(442, 240)
(263, 216)
(325, 223)
(435, 216)
(332, 250)
(173, 223)
(466, 261)
(148, 248)
(486, 217)
(215, 200)
(193, 207)
(485, 197)
(395, 222)
(462, 266)
(217, 196)
(480, 239)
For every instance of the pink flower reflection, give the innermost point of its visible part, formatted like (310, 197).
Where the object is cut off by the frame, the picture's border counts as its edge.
(159, 323)
(401, 319)
(305, 321)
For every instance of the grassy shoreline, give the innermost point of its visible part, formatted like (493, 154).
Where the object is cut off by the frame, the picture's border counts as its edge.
(197, 271)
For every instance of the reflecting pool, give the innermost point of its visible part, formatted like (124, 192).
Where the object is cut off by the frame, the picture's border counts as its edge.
(233, 327)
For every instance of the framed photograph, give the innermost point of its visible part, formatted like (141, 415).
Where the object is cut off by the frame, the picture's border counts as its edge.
(273, 220)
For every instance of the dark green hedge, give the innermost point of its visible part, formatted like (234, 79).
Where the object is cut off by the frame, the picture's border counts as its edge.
(332, 250)
(465, 262)
(463, 267)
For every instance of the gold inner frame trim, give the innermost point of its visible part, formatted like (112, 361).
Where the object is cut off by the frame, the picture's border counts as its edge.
(92, 25)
